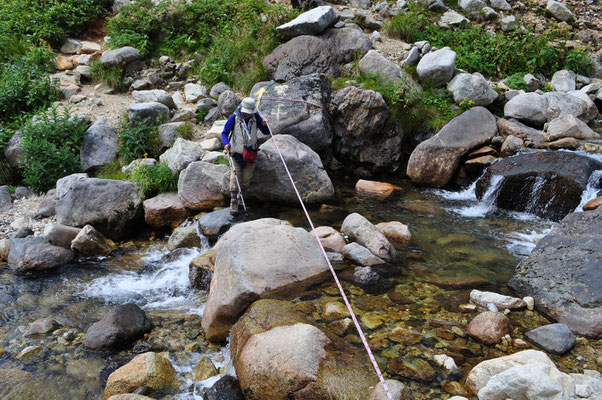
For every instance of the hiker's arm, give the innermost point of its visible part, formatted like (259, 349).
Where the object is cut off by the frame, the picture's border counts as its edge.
(262, 125)
(227, 129)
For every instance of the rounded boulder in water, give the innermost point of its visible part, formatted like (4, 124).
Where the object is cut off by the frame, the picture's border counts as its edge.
(554, 338)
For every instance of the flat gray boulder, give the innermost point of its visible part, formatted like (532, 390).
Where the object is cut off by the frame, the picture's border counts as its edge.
(326, 53)
(530, 108)
(265, 258)
(182, 154)
(100, 145)
(574, 103)
(437, 68)
(270, 181)
(110, 206)
(570, 126)
(217, 222)
(120, 56)
(150, 112)
(374, 63)
(564, 81)
(118, 328)
(435, 161)
(203, 186)
(362, 231)
(472, 87)
(451, 18)
(559, 11)
(309, 123)
(553, 338)
(312, 22)
(35, 256)
(154, 96)
(563, 275)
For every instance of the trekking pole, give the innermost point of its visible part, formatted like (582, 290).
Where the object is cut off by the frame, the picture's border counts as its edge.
(244, 206)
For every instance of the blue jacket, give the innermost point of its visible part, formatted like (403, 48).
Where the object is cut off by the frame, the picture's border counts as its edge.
(230, 126)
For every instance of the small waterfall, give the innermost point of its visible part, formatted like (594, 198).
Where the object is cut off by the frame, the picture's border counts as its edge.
(591, 190)
(534, 196)
(480, 208)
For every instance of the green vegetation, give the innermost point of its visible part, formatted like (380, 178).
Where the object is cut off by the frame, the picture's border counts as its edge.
(516, 81)
(185, 131)
(51, 145)
(494, 53)
(139, 139)
(229, 33)
(154, 179)
(111, 75)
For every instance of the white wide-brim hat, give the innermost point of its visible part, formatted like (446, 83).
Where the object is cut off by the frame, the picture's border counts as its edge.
(247, 105)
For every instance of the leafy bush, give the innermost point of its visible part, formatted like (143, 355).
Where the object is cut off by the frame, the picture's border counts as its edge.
(51, 145)
(111, 75)
(516, 81)
(154, 179)
(139, 139)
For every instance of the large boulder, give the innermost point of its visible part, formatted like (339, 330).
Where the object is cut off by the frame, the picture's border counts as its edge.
(203, 186)
(564, 81)
(472, 87)
(35, 256)
(164, 210)
(227, 102)
(562, 273)
(437, 68)
(326, 53)
(60, 235)
(575, 102)
(287, 261)
(309, 123)
(360, 134)
(110, 206)
(13, 151)
(512, 127)
(312, 22)
(150, 112)
(374, 63)
(100, 145)
(149, 370)
(277, 354)
(530, 108)
(548, 184)
(182, 154)
(154, 96)
(270, 181)
(118, 328)
(362, 231)
(559, 11)
(120, 56)
(569, 126)
(168, 133)
(217, 222)
(90, 242)
(435, 161)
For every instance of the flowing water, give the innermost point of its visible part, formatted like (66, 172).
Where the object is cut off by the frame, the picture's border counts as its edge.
(457, 243)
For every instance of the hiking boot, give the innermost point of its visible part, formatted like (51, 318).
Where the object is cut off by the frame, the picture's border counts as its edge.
(233, 206)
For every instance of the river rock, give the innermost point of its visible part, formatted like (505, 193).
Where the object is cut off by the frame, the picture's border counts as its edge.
(120, 56)
(374, 63)
(154, 96)
(548, 184)
(564, 81)
(530, 108)
(397, 390)
(472, 87)
(164, 210)
(500, 301)
(511, 145)
(238, 263)
(100, 145)
(130, 396)
(569, 126)
(90, 242)
(559, 11)
(512, 127)
(217, 222)
(112, 207)
(35, 256)
(574, 103)
(562, 273)
(368, 279)
(200, 270)
(397, 233)
(270, 181)
(435, 161)
(365, 233)
(41, 326)
(117, 329)
(184, 237)
(412, 368)
(331, 239)
(593, 204)
(149, 370)
(203, 186)
(182, 154)
(379, 190)
(326, 53)
(226, 388)
(553, 338)
(310, 123)
(311, 22)
(60, 235)
(437, 68)
(360, 255)
(489, 327)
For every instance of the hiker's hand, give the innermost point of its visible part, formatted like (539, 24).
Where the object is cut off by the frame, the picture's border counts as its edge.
(264, 123)
(227, 148)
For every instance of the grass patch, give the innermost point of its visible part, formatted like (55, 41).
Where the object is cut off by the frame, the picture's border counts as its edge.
(185, 131)
(111, 75)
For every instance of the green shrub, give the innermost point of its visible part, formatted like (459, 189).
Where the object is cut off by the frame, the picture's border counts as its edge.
(154, 179)
(186, 131)
(516, 81)
(139, 139)
(112, 171)
(51, 148)
(111, 75)
(408, 26)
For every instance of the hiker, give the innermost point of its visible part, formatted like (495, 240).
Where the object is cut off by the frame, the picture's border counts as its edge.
(240, 140)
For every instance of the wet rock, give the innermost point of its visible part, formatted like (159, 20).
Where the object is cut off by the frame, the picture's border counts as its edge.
(100, 145)
(405, 336)
(182, 154)
(397, 390)
(4, 249)
(358, 254)
(331, 239)
(200, 270)
(457, 390)
(593, 204)
(60, 235)
(548, 184)
(334, 310)
(215, 223)
(435, 161)
(270, 181)
(399, 298)
(489, 327)
(120, 56)
(500, 301)
(362, 231)
(282, 246)
(150, 370)
(117, 329)
(412, 368)
(374, 63)
(226, 388)
(569, 126)
(110, 206)
(304, 55)
(30, 354)
(554, 338)
(154, 96)
(396, 233)
(437, 68)
(472, 87)
(90, 242)
(512, 127)
(41, 326)
(379, 190)
(447, 363)
(368, 279)
(183, 237)
(149, 112)
(164, 210)
(203, 186)
(530, 108)
(564, 143)
(227, 102)
(311, 125)
(512, 145)
(35, 256)
(204, 369)
(311, 22)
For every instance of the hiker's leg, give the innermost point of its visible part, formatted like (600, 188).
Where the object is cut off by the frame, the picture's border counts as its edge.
(233, 185)
(247, 174)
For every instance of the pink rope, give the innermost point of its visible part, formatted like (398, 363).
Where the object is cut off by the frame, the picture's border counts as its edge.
(357, 325)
